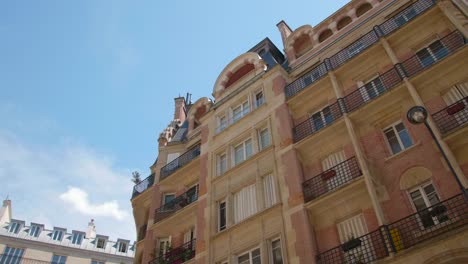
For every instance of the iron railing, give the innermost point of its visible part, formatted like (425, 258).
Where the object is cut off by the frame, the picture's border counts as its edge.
(177, 255)
(176, 204)
(358, 46)
(433, 53)
(179, 162)
(10, 259)
(402, 234)
(142, 232)
(452, 117)
(331, 179)
(372, 90)
(319, 120)
(143, 186)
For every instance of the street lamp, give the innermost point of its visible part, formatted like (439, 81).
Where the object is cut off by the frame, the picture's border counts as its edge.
(418, 115)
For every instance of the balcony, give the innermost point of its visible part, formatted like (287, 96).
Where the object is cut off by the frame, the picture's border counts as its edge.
(435, 52)
(359, 46)
(452, 117)
(331, 179)
(371, 90)
(176, 204)
(179, 162)
(319, 120)
(11, 259)
(143, 186)
(401, 235)
(177, 255)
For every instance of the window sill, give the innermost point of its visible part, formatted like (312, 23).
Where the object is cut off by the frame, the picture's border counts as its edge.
(392, 157)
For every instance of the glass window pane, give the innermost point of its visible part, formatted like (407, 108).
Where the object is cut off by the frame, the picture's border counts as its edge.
(425, 57)
(238, 154)
(264, 139)
(393, 141)
(404, 135)
(318, 121)
(248, 148)
(276, 251)
(418, 200)
(236, 113)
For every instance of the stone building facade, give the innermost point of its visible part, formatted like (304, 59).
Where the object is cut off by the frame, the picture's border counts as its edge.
(309, 157)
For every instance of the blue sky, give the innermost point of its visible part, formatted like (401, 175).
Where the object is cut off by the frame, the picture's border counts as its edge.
(87, 86)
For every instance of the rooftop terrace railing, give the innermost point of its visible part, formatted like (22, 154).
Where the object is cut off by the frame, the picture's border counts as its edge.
(359, 46)
(179, 162)
(143, 186)
(401, 235)
(452, 117)
(178, 203)
(331, 179)
(177, 255)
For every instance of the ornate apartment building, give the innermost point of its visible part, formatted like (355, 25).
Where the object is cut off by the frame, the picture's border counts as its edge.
(35, 244)
(310, 157)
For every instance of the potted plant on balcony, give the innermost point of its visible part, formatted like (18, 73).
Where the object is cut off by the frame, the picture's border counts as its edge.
(351, 244)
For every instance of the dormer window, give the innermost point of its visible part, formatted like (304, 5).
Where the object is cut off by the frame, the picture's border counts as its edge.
(34, 230)
(77, 237)
(122, 246)
(14, 227)
(57, 235)
(101, 242)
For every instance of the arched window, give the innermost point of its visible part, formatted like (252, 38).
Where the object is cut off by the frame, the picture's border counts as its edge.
(302, 45)
(363, 9)
(343, 22)
(325, 34)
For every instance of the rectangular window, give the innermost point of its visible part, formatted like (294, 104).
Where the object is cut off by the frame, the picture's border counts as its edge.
(352, 229)
(12, 255)
(321, 118)
(269, 191)
(164, 245)
(221, 164)
(56, 259)
(251, 257)
(35, 230)
(398, 138)
(222, 215)
(355, 48)
(243, 151)
(423, 197)
(77, 238)
(189, 235)
(245, 203)
(57, 235)
(100, 243)
(97, 262)
(14, 227)
(239, 111)
(277, 255)
(405, 16)
(432, 53)
(122, 247)
(264, 136)
(222, 123)
(372, 89)
(339, 171)
(259, 99)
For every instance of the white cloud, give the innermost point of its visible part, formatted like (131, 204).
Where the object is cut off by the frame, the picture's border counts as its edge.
(78, 200)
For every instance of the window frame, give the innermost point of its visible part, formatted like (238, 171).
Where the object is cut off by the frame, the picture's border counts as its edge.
(35, 230)
(119, 246)
(245, 108)
(271, 249)
(15, 227)
(259, 135)
(219, 170)
(258, 102)
(433, 54)
(58, 234)
(12, 255)
(420, 187)
(93, 261)
(250, 254)
(322, 117)
(60, 259)
(218, 207)
(244, 151)
(397, 135)
(77, 238)
(104, 243)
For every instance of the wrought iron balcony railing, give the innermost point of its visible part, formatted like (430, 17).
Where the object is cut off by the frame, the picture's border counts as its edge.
(331, 179)
(176, 204)
(317, 121)
(435, 52)
(177, 255)
(10, 259)
(179, 162)
(142, 232)
(372, 90)
(401, 235)
(143, 186)
(359, 46)
(452, 117)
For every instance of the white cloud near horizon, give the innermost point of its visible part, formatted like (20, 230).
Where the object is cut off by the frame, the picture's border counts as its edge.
(78, 200)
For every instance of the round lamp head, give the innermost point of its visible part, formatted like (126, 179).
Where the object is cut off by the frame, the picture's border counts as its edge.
(417, 115)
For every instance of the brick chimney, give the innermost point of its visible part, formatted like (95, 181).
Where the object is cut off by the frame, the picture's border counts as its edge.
(285, 30)
(179, 112)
